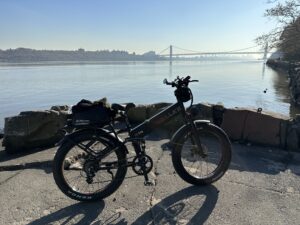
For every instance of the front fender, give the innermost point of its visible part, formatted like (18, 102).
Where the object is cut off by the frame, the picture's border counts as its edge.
(184, 129)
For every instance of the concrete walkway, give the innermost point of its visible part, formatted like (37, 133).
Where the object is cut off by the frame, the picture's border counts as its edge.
(261, 187)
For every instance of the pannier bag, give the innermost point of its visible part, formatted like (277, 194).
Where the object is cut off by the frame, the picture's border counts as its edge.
(86, 112)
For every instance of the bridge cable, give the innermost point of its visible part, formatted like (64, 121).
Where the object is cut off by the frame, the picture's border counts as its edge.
(163, 50)
(236, 50)
(186, 49)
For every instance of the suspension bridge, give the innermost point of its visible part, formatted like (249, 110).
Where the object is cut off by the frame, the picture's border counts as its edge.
(169, 52)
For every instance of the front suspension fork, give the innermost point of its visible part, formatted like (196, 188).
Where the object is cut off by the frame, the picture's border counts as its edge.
(196, 139)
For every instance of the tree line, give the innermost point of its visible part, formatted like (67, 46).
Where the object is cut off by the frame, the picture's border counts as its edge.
(32, 55)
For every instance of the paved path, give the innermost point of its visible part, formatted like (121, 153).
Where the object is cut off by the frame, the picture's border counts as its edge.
(261, 187)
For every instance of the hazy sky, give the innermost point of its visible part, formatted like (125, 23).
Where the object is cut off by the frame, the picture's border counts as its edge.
(133, 25)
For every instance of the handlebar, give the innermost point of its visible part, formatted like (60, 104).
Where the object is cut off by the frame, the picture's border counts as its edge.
(180, 82)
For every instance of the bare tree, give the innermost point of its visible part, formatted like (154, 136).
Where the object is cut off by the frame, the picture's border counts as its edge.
(286, 35)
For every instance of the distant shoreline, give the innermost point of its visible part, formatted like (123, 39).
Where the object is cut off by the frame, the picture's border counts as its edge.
(124, 62)
(57, 63)
(20, 55)
(25, 56)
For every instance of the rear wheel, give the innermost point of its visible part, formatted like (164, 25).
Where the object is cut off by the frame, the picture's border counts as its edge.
(191, 166)
(81, 176)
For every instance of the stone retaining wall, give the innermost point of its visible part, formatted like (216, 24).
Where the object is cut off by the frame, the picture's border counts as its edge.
(37, 129)
(241, 124)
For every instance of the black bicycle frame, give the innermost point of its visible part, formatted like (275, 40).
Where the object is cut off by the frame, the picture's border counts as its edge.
(144, 128)
(137, 133)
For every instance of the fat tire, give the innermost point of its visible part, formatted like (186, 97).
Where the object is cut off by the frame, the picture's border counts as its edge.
(222, 166)
(64, 187)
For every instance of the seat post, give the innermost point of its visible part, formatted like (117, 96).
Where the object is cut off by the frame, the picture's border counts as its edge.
(128, 124)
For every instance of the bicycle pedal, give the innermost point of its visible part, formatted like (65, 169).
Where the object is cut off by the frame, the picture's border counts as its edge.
(149, 183)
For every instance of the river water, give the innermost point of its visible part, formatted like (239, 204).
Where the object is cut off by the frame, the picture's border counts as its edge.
(232, 82)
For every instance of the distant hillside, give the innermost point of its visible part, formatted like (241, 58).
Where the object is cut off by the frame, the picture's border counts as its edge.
(32, 55)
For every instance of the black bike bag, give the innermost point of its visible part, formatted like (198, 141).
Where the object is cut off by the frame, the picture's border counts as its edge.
(86, 112)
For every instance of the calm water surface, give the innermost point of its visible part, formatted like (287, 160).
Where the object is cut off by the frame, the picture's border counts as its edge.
(234, 83)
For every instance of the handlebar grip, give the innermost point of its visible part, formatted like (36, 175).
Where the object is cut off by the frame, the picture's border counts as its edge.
(194, 81)
(166, 82)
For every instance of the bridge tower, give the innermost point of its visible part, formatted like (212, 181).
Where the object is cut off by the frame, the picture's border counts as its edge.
(171, 53)
(266, 52)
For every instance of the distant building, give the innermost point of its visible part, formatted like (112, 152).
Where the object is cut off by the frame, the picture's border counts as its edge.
(150, 54)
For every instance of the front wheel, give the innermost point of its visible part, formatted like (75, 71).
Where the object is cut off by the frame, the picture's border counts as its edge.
(189, 163)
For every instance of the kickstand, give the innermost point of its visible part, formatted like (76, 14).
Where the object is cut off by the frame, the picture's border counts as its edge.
(149, 183)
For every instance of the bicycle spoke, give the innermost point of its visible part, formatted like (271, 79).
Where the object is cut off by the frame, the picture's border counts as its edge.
(79, 163)
(197, 165)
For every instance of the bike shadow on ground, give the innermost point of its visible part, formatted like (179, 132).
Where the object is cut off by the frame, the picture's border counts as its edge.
(45, 165)
(79, 213)
(182, 207)
(4, 156)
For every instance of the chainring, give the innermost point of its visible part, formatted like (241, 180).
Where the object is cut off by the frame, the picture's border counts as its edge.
(139, 162)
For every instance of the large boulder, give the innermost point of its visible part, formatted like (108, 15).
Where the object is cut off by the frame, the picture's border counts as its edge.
(1, 133)
(218, 111)
(153, 109)
(140, 113)
(204, 111)
(61, 108)
(293, 134)
(283, 65)
(33, 129)
(137, 114)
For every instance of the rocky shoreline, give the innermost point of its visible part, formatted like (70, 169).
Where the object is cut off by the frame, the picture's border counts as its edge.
(39, 129)
(293, 70)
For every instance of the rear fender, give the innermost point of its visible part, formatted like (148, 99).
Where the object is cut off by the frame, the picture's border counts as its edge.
(107, 135)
